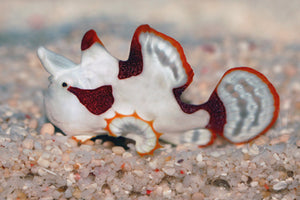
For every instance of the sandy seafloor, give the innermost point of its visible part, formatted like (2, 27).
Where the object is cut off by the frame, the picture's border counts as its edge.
(215, 36)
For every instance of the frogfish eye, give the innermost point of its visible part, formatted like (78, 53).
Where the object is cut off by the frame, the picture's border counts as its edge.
(64, 84)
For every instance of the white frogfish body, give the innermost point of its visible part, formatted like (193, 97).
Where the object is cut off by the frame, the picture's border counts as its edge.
(141, 98)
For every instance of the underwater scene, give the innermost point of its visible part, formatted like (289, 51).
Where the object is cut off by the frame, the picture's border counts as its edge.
(149, 100)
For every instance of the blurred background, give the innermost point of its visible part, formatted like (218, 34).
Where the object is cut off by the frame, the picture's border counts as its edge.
(215, 35)
(34, 22)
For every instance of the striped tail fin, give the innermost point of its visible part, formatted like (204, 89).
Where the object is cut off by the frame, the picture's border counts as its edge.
(243, 106)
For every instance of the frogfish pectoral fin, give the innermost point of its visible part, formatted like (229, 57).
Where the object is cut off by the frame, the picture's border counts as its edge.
(136, 128)
(243, 106)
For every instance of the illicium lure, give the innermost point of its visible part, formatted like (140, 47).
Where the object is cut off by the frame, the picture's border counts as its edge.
(141, 98)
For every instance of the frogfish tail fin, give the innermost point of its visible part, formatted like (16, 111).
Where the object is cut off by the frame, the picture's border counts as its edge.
(243, 106)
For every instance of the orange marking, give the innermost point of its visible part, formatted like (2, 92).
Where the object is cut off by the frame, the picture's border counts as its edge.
(266, 186)
(74, 138)
(123, 166)
(168, 158)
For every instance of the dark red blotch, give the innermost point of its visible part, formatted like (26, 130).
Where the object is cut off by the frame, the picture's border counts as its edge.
(134, 65)
(217, 112)
(89, 39)
(214, 106)
(97, 101)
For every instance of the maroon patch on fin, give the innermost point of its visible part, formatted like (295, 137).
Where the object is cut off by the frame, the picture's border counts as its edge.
(97, 101)
(89, 39)
(134, 65)
(214, 106)
(217, 112)
(185, 107)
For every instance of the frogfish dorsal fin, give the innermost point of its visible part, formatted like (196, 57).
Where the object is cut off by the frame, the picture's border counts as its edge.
(134, 65)
(152, 50)
(93, 50)
(89, 39)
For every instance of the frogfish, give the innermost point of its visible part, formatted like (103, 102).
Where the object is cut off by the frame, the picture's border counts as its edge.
(141, 98)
